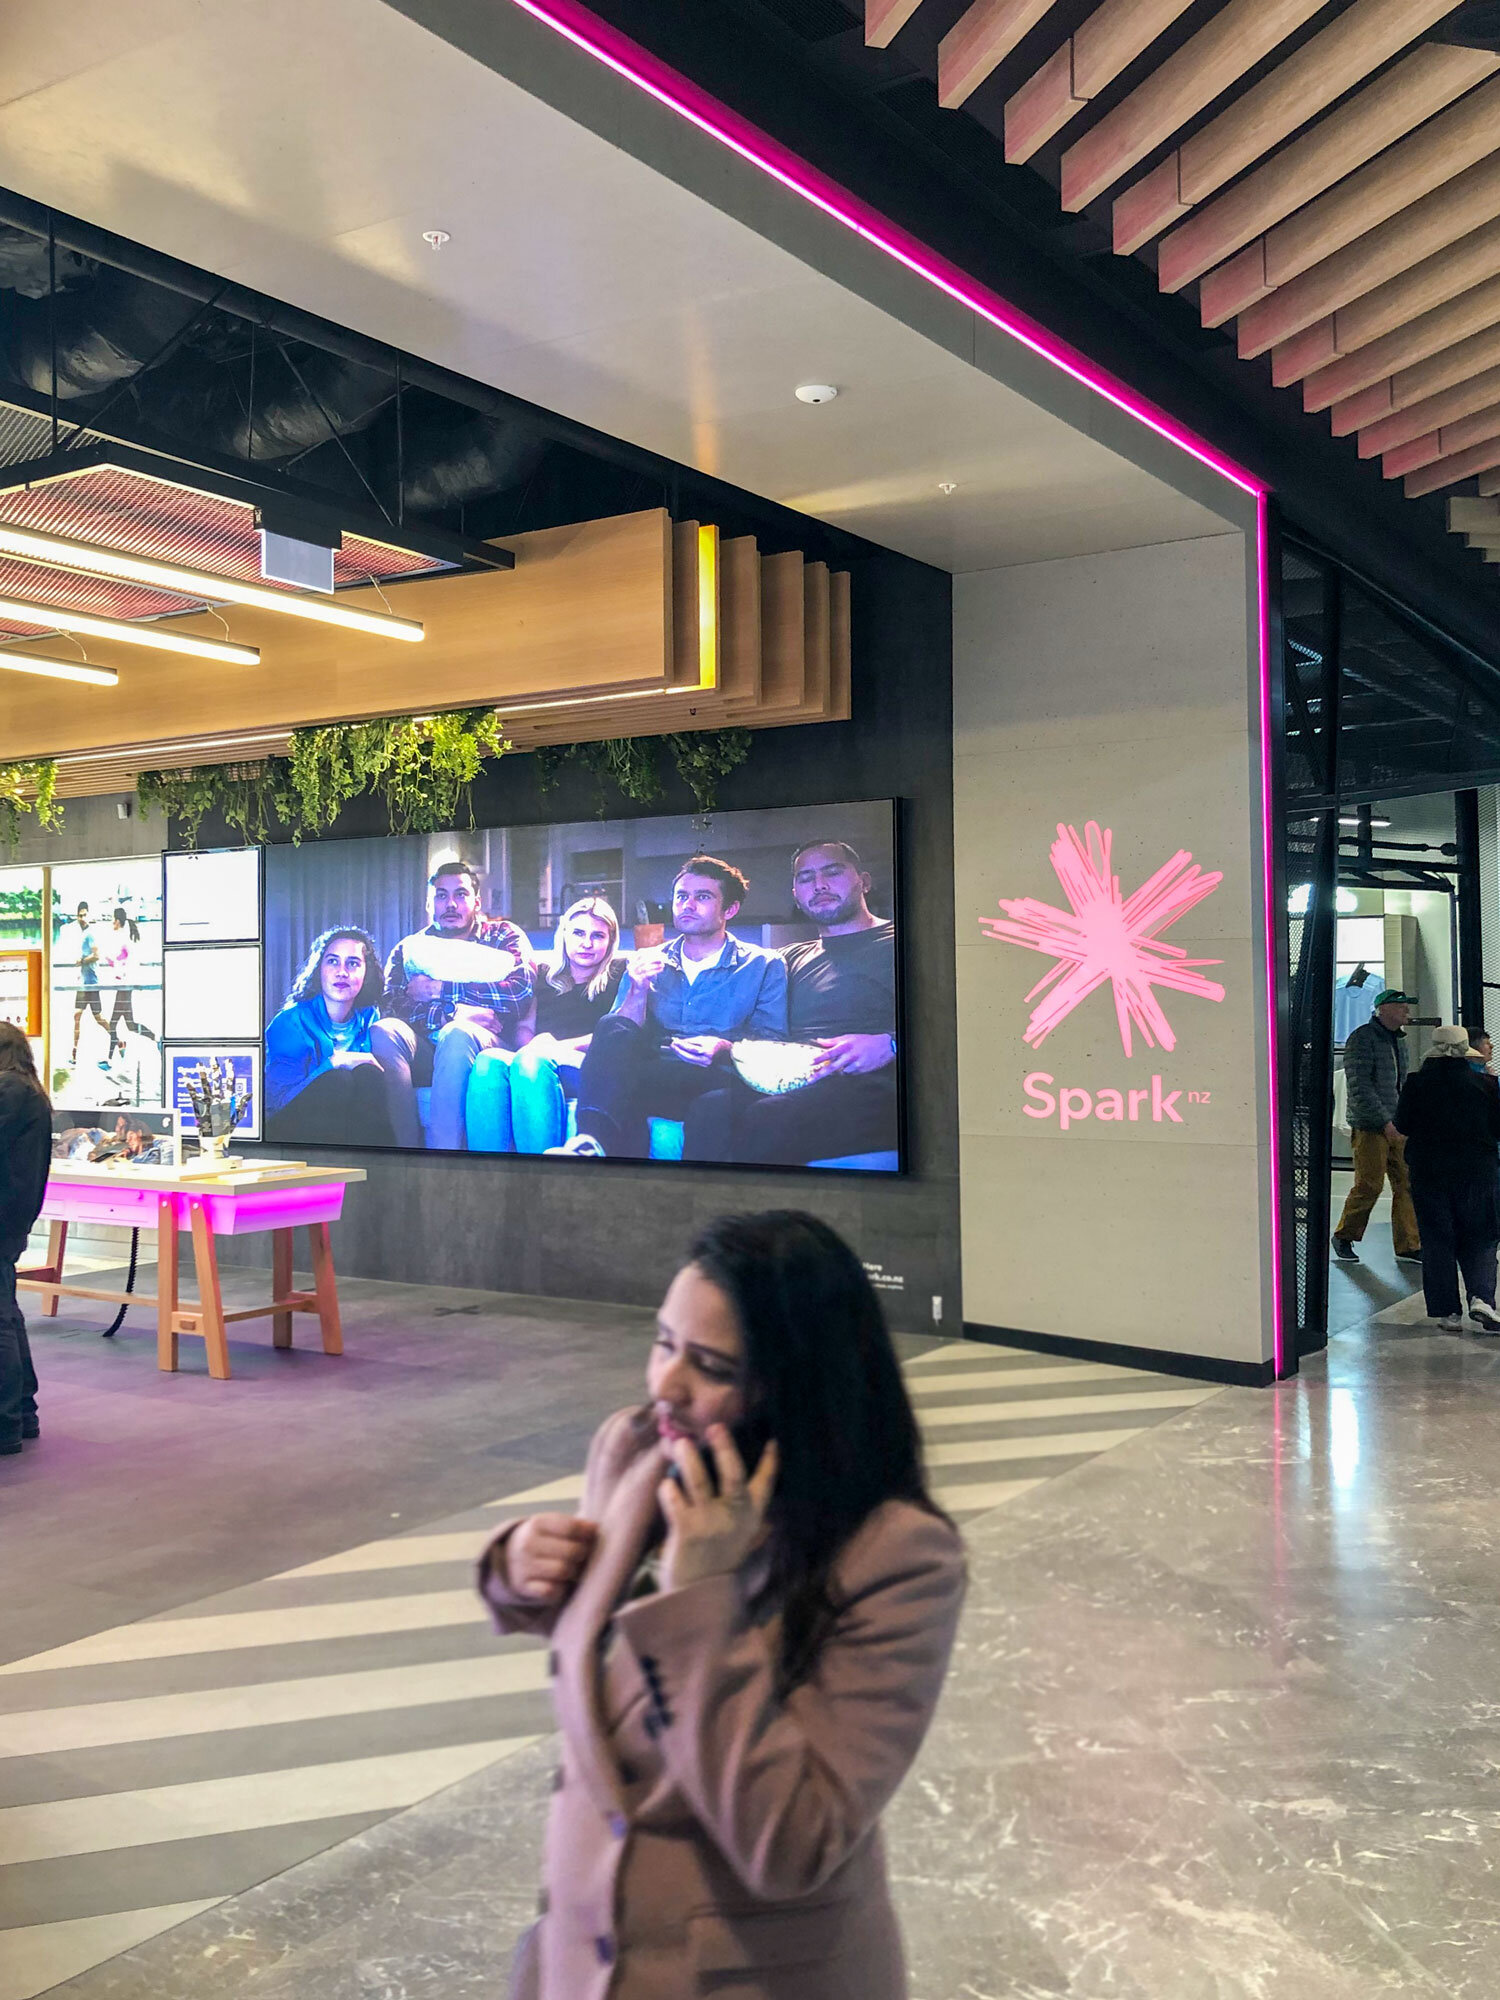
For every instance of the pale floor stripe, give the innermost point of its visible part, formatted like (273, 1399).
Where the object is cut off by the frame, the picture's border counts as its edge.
(570, 1488)
(36, 1957)
(956, 1350)
(93, 1725)
(990, 1493)
(400, 1552)
(1024, 1378)
(94, 1825)
(1064, 1406)
(986, 1451)
(231, 1631)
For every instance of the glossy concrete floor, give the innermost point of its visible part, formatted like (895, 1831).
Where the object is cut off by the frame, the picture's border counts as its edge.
(1222, 1725)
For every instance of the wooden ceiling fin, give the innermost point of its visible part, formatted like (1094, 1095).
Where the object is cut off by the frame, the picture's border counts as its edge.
(1397, 392)
(1313, 347)
(1430, 333)
(1489, 483)
(1455, 214)
(884, 20)
(1296, 91)
(1102, 48)
(1431, 414)
(1467, 516)
(979, 41)
(1410, 457)
(1234, 41)
(1437, 281)
(1449, 471)
(1416, 89)
(1439, 152)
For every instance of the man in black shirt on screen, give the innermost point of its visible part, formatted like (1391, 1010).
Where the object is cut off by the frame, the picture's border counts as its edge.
(841, 995)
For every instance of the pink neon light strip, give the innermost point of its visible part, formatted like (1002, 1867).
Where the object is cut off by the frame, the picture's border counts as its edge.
(680, 95)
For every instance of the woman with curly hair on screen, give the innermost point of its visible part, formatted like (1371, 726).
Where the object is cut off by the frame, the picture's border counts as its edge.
(323, 1082)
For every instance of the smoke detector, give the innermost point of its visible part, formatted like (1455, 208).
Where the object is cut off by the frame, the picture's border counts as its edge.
(816, 392)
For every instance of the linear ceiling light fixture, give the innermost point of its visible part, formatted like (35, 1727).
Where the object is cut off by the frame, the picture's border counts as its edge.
(59, 553)
(155, 636)
(57, 670)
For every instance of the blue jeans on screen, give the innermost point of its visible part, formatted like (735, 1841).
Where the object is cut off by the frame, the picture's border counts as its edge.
(519, 1103)
(17, 1376)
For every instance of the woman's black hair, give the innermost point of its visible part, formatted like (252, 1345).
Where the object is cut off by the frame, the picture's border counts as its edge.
(16, 1058)
(307, 985)
(128, 923)
(822, 1378)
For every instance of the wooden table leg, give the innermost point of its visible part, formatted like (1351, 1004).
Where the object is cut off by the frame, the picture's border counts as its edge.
(57, 1243)
(210, 1298)
(326, 1288)
(166, 1285)
(281, 1285)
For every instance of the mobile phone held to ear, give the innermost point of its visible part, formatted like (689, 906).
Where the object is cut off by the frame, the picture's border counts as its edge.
(750, 1437)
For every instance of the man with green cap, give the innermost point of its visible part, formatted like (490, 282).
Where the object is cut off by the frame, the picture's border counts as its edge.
(1375, 1065)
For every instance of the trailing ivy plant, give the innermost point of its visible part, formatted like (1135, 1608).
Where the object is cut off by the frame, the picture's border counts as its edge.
(626, 762)
(705, 756)
(28, 790)
(421, 766)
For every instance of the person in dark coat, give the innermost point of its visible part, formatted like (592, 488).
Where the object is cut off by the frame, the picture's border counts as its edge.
(1450, 1117)
(25, 1156)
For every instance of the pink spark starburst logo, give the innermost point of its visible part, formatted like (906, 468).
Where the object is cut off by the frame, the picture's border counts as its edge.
(1109, 937)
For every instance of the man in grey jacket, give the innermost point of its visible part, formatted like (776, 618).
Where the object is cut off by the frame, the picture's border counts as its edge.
(1375, 1065)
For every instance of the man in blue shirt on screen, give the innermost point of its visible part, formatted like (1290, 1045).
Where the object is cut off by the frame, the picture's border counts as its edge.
(841, 1013)
(680, 1006)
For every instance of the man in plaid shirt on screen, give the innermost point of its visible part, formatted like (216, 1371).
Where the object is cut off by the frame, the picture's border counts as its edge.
(451, 990)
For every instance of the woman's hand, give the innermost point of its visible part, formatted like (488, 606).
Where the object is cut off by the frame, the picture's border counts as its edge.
(545, 1556)
(708, 1533)
(351, 1059)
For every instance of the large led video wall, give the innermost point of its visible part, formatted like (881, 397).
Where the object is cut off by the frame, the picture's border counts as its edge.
(669, 989)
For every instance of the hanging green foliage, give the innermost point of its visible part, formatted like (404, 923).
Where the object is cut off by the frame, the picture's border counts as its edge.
(28, 790)
(705, 756)
(626, 762)
(421, 766)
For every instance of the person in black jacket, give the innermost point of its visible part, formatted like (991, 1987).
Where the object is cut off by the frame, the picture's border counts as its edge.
(25, 1156)
(1450, 1115)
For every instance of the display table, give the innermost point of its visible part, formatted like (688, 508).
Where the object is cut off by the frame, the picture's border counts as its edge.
(232, 1202)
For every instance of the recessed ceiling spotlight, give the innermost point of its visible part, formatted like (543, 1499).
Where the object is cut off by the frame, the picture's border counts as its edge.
(436, 238)
(947, 486)
(816, 392)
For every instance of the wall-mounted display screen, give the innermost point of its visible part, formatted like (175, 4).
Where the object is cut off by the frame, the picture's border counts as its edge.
(186, 1067)
(86, 1135)
(213, 992)
(213, 898)
(106, 982)
(638, 989)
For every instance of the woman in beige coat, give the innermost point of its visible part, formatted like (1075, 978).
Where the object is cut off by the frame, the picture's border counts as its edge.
(750, 1623)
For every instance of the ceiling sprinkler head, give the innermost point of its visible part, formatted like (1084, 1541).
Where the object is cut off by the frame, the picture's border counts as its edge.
(947, 486)
(816, 392)
(436, 238)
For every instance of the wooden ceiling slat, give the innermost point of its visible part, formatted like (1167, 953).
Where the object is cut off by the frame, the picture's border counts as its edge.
(1099, 50)
(1297, 91)
(980, 40)
(884, 20)
(1397, 303)
(1489, 483)
(1451, 215)
(1467, 132)
(1467, 515)
(1234, 41)
(1430, 333)
(1449, 471)
(1484, 424)
(1431, 414)
(1440, 371)
(1424, 83)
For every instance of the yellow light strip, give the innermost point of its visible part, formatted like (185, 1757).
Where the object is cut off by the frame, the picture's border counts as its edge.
(708, 606)
(57, 670)
(155, 636)
(60, 553)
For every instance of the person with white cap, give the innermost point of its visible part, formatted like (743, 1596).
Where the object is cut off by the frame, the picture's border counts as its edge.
(1450, 1117)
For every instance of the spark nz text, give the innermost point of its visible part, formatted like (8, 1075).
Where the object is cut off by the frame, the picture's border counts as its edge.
(1070, 1104)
